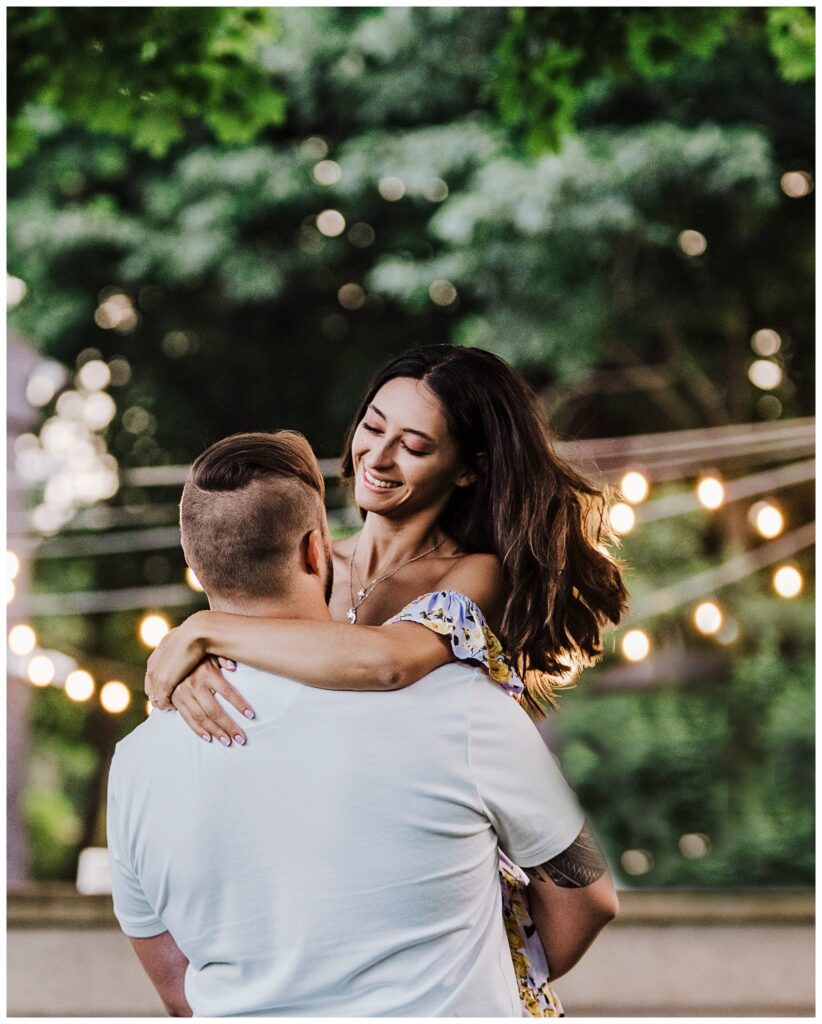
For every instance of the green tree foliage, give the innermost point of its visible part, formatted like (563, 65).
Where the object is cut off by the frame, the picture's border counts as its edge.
(142, 72)
(551, 58)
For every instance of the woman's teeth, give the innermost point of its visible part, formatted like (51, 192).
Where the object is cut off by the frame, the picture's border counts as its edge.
(385, 485)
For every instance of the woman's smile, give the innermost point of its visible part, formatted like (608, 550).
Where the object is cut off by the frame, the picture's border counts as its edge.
(376, 483)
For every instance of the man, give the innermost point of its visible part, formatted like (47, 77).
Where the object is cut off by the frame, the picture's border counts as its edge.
(344, 863)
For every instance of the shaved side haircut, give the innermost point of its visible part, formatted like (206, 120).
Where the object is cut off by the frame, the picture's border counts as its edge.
(247, 505)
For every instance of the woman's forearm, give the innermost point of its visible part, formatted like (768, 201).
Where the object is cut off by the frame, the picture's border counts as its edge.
(329, 655)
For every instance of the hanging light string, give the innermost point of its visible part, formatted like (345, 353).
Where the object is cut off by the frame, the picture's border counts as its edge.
(737, 568)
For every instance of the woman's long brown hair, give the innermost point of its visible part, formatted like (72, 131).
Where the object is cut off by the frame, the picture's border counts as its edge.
(528, 506)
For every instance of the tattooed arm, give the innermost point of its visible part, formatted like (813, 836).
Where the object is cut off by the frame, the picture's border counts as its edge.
(572, 898)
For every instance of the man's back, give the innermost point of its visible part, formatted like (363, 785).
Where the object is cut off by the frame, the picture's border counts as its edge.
(344, 862)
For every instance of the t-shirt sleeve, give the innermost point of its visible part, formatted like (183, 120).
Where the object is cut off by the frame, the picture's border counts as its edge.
(131, 908)
(533, 810)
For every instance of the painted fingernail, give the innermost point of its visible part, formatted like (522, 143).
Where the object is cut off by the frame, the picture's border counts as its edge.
(225, 741)
(240, 740)
(230, 665)
(206, 737)
(248, 713)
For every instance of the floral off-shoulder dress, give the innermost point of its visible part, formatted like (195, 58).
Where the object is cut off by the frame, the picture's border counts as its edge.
(454, 615)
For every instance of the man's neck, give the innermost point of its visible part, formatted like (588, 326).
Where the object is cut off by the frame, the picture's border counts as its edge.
(302, 603)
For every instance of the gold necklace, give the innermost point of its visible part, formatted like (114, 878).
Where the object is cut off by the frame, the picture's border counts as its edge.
(368, 589)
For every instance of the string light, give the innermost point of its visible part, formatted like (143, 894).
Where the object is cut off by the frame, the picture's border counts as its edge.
(79, 685)
(22, 639)
(12, 565)
(636, 645)
(40, 670)
(787, 581)
(708, 618)
(710, 492)
(192, 580)
(115, 697)
(766, 519)
(694, 845)
(11, 590)
(153, 628)
(634, 487)
(636, 862)
(622, 517)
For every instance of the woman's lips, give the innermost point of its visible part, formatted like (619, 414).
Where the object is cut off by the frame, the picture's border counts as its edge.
(377, 488)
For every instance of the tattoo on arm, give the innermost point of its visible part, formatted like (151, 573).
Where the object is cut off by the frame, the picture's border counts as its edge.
(575, 868)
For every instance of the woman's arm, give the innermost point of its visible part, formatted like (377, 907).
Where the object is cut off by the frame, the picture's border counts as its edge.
(329, 655)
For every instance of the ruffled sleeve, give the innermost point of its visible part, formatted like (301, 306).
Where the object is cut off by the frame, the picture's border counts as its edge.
(452, 614)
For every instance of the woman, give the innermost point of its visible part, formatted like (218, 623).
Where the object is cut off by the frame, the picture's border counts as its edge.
(465, 502)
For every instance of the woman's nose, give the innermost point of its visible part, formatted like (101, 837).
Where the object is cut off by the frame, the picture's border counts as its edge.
(379, 453)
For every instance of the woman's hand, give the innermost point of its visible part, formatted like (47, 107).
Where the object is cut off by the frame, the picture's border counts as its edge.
(202, 712)
(178, 654)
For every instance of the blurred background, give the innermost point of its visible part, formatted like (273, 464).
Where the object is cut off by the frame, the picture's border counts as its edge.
(225, 219)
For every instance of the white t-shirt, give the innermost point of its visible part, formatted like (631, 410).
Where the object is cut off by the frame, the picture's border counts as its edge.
(344, 861)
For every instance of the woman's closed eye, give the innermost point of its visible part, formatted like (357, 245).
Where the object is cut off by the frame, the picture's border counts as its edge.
(376, 430)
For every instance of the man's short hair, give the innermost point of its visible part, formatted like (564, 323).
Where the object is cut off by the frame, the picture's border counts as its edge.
(247, 504)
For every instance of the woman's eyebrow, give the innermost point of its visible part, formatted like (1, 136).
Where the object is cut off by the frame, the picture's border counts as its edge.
(406, 430)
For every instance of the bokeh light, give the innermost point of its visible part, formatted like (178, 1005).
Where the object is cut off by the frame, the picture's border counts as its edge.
(153, 628)
(636, 645)
(710, 492)
(192, 581)
(766, 342)
(622, 517)
(765, 374)
(94, 375)
(351, 296)
(15, 291)
(330, 223)
(442, 292)
(636, 862)
(12, 565)
(391, 188)
(634, 486)
(22, 639)
(79, 685)
(766, 519)
(694, 845)
(327, 172)
(692, 243)
(788, 581)
(40, 670)
(796, 184)
(115, 697)
(708, 618)
(361, 235)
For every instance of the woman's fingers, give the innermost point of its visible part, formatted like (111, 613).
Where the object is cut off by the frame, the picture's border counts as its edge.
(227, 664)
(194, 699)
(206, 717)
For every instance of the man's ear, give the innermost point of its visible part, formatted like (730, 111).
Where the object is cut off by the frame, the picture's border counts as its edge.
(312, 551)
(470, 476)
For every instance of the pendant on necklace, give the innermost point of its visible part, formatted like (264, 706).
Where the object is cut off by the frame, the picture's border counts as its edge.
(351, 616)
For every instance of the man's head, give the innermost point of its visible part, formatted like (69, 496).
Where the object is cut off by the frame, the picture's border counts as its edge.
(253, 521)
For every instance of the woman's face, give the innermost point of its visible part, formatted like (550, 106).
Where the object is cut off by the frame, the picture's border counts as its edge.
(405, 459)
